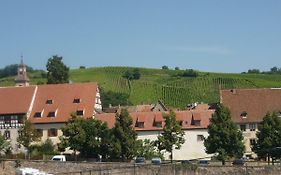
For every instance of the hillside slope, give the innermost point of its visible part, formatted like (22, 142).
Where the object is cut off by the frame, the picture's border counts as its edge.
(157, 84)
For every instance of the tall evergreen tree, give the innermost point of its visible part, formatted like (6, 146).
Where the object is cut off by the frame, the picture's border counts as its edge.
(224, 137)
(58, 72)
(269, 137)
(124, 137)
(172, 136)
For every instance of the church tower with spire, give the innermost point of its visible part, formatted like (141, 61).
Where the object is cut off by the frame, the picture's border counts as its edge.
(21, 78)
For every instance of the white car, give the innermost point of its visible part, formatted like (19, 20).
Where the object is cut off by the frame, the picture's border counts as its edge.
(60, 158)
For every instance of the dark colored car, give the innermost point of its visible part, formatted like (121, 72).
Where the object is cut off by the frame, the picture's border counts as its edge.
(156, 161)
(240, 162)
(140, 160)
(203, 162)
(186, 162)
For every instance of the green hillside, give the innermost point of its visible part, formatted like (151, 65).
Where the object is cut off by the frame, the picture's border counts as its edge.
(164, 84)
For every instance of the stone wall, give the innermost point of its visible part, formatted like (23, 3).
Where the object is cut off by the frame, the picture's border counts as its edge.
(85, 168)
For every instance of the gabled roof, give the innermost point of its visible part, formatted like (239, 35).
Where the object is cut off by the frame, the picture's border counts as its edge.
(255, 102)
(15, 100)
(63, 96)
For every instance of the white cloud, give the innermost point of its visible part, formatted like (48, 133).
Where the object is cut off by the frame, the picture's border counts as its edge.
(205, 49)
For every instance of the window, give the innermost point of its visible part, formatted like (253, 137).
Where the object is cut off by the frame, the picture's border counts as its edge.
(158, 124)
(243, 127)
(7, 135)
(51, 114)
(80, 112)
(252, 127)
(49, 101)
(39, 132)
(20, 133)
(37, 115)
(244, 114)
(200, 138)
(76, 100)
(52, 132)
(140, 124)
(195, 122)
(252, 142)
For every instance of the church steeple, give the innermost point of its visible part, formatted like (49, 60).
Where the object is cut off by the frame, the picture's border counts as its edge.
(21, 78)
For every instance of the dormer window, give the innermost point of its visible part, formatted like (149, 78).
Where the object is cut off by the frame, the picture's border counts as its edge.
(244, 114)
(80, 112)
(51, 114)
(140, 121)
(76, 100)
(38, 115)
(49, 101)
(196, 119)
(140, 124)
(158, 124)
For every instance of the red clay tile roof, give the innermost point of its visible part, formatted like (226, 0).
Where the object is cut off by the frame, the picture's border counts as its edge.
(141, 118)
(158, 117)
(109, 118)
(196, 116)
(15, 100)
(255, 102)
(149, 118)
(63, 96)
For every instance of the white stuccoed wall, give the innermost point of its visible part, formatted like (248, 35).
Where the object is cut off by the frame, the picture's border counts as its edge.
(191, 149)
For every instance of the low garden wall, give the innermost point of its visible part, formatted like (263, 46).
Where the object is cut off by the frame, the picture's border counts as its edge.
(8, 167)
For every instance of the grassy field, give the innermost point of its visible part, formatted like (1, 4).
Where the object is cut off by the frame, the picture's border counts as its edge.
(157, 84)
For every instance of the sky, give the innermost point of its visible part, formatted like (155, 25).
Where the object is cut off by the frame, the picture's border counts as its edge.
(206, 35)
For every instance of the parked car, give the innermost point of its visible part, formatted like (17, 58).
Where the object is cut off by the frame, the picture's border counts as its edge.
(140, 160)
(238, 162)
(186, 162)
(60, 158)
(203, 162)
(156, 161)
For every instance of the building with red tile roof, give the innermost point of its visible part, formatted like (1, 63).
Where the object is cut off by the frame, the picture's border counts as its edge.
(47, 107)
(248, 107)
(54, 104)
(15, 105)
(150, 124)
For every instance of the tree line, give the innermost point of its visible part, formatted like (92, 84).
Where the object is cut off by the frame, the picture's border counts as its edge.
(11, 70)
(273, 70)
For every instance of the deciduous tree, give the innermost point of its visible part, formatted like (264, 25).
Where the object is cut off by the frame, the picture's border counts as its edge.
(172, 136)
(147, 149)
(28, 135)
(88, 136)
(5, 146)
(58, 72)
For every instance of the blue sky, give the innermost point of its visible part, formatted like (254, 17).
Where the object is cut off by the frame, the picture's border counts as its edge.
(207, 35)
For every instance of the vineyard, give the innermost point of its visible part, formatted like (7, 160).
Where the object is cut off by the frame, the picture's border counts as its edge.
(157, 84)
